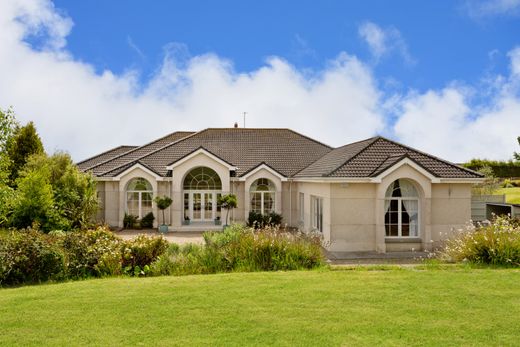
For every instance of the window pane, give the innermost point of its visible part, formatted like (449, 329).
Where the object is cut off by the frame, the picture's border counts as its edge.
(186, 205)
(132, 203)
(139, 183)
(268, 202)
(202, 178)
(256, 202)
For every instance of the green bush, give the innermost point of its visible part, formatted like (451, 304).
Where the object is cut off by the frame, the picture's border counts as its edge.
(92, 253)
(495, 244)
(147, 220)
(258, 220)
(29, 256)
(140, 252)
(129, 221)
(240, 248)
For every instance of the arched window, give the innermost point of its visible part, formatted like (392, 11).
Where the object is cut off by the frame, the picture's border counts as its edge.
(262, 196)
(402, 210)
(202, 178)
(139, 196)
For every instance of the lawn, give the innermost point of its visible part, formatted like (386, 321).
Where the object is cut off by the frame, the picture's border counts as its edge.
(512, 194)
(394, 307)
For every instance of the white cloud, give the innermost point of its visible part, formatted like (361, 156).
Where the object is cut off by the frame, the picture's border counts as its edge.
(84, 112)
(514, 55)
(490, 8)
(382, 42)
(450, 124)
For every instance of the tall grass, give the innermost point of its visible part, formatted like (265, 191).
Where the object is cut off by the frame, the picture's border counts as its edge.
(494, 244)
(241, 249)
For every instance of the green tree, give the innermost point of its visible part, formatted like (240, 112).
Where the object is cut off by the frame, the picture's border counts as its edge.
(516, 155)
(34, 201)
(24, 143)
(74, 192)
(8, 125)
(228, 202)
(162, 204)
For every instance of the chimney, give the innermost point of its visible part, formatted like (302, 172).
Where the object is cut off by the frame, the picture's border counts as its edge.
(236, 125)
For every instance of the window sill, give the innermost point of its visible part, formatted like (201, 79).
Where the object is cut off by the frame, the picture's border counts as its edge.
(403, 240)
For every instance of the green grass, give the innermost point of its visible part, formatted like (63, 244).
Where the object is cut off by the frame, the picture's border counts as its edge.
(384, 306)
(512, 194)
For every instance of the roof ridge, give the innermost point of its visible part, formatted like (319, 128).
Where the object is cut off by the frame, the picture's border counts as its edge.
(137, 148)
(155, 151)
(307, 137)
(432, 156)
(374, 140)
(105, 152)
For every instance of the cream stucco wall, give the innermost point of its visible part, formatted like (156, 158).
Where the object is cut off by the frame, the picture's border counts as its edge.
(320, 190)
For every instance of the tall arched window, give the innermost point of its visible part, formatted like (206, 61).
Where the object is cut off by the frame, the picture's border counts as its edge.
(402, 210)
(202, 189)
(262, 196)
(139, 196)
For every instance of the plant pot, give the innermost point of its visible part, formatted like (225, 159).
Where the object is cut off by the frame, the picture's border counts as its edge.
(185, 222)
(218, 222)
(163, 228)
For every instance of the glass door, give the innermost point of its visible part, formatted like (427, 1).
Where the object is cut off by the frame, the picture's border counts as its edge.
(208, 206)
(197, 206)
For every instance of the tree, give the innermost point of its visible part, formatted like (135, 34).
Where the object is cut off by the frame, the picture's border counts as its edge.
(490, 183)
(73, 193)
(34, 202)
(516, 155)
(8, 125)
(228, 202)
(162, 204)
(24, 143)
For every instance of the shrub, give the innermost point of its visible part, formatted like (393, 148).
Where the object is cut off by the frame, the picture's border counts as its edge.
(507, 183)
(92, 253)
(240, 248)
(258, 220)
(147, 220)
(129, 220)
(29, 256)
(140, 252)
(495, 244)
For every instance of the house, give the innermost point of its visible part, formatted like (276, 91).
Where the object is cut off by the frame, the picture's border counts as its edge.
(371, 195)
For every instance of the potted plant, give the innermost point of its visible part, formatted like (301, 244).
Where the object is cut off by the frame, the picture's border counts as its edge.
(218, 221)
(186, 220)
(228, 202)
(162, 204)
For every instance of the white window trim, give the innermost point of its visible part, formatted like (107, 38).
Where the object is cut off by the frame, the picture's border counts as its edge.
(400, 217)
(317, 213)
(140, 206)
(262, 206)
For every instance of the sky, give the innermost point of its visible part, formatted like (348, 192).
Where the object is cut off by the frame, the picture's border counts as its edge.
(441, 76)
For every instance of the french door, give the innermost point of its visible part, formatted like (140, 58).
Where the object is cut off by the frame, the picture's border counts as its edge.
(201, 205)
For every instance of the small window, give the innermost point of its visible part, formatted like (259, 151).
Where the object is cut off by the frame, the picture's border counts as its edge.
(262, 196)
(139, 196)
(317, 213)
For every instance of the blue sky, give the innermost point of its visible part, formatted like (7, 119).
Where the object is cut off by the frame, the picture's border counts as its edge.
(445, 42)
(441, 76)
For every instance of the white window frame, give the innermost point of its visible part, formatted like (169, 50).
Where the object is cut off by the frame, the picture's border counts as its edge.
(139, 199)
(400, 218)
(262, 199)
(317, 213)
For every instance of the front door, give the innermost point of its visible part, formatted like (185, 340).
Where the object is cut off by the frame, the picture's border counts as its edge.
(202, 206)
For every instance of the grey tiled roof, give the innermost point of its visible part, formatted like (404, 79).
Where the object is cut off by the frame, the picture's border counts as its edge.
(100, 158)
(282, 149)
(382, 153)
(287, 152)
(132, 155)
